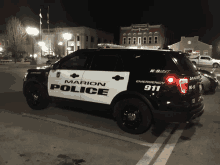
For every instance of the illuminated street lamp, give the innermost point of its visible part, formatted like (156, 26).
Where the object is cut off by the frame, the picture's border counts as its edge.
(67, 36)
(32, 32)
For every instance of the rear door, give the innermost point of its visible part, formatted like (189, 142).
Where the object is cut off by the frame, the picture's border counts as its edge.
(105, 79)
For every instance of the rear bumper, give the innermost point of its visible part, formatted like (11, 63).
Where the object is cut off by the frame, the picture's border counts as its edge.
(179, 113)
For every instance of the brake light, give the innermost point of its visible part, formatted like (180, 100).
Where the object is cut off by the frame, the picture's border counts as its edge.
(181, 83)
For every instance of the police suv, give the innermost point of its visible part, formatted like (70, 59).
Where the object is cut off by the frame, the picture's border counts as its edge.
(140, 86)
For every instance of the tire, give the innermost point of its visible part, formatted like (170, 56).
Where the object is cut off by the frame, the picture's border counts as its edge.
(139, 113)
(39, 102)
(215, 65)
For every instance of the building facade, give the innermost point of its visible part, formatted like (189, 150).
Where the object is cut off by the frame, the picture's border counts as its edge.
(81, 38)
(193, 46)
(145, 36)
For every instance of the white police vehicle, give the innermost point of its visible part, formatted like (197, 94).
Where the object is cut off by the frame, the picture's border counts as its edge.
(140, 86)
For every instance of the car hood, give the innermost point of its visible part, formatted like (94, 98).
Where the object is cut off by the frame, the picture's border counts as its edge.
(40, 69)
(216, 60)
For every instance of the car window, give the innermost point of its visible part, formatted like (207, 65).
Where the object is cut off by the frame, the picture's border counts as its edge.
(184, 63)
(155, 60)
(205, 58)
(77, 62)
(104, 62)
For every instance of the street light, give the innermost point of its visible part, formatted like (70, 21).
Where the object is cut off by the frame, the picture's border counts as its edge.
(67, 36)
(33, 32)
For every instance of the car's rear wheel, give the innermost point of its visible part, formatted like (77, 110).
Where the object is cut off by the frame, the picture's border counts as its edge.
(215, 65)
(36, 96)
(133, 116)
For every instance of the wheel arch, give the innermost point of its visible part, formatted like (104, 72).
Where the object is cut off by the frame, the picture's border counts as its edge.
(215, 63)
(131, 94)
(33, 81)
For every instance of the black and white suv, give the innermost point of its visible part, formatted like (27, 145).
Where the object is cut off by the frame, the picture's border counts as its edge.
(140, 86)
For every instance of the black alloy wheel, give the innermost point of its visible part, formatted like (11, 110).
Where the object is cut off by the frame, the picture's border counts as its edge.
(133, 116)
(36, 97)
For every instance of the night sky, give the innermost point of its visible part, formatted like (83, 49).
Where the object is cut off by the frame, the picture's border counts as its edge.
(184, 18)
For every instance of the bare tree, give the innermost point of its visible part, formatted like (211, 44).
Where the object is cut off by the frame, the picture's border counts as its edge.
(16, 35)
(55, 46)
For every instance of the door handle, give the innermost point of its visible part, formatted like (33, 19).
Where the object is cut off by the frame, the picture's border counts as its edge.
(117, 77)
(74, 75)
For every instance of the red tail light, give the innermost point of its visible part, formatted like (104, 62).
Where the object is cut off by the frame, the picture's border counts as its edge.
(181, 83)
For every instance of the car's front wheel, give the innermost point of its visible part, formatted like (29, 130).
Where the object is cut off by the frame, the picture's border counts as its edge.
(133, 116)
(36, 96)
(215, 65)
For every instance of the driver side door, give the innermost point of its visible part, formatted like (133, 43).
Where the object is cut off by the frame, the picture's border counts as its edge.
(65, 82)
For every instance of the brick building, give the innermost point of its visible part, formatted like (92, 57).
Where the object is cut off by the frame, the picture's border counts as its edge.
(192, 45)
(82, 38)
(145, 36)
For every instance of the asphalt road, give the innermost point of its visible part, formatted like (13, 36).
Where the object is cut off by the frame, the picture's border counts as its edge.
(61, 135)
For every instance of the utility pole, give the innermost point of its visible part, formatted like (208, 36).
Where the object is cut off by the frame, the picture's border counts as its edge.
(48, 30)
(40, 31)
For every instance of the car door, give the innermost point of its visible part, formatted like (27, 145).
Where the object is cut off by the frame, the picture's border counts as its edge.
(105, 79)
(65, 81)
(204, 61)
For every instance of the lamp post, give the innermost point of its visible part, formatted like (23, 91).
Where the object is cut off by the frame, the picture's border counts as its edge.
(67, 36)
(60, 44)
(32, 32)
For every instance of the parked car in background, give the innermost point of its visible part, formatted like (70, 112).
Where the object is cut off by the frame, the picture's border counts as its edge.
(205, 60)
(209, 80)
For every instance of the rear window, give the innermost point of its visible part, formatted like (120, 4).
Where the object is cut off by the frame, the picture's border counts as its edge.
(184, 62)
(153, 60)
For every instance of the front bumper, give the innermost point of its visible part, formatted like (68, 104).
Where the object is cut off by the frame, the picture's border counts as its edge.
(179, 113)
